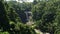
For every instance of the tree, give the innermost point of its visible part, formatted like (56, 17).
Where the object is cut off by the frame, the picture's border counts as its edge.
(44, 14)
(4, 22)
(10, 22)
(35, 2)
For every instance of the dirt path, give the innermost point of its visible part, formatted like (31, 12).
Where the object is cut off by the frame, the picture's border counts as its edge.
(38, 31)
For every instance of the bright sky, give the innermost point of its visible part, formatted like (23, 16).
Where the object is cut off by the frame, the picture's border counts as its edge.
(30, 0)
(25, 1)
(21, 0)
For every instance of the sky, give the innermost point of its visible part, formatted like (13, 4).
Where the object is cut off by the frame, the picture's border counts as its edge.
(21, 0)
(25, 1)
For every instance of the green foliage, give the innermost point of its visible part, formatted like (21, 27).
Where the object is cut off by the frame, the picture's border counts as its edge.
(4, 22)
(24, 29)
(4, 33)
(45, 15)
(20, 9)
(10, 23)
(57, 31)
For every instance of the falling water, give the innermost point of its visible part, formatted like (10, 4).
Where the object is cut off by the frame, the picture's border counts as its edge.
(29, 17)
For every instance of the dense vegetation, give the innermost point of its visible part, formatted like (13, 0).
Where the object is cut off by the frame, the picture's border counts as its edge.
(46, 17)
(10, 23)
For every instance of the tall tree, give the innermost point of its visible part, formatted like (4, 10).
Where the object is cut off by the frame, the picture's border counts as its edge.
(4, 22)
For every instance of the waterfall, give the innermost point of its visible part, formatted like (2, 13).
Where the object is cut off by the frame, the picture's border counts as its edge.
(29, 17)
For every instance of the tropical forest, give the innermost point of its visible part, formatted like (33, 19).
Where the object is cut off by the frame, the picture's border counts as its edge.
(29, 16)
